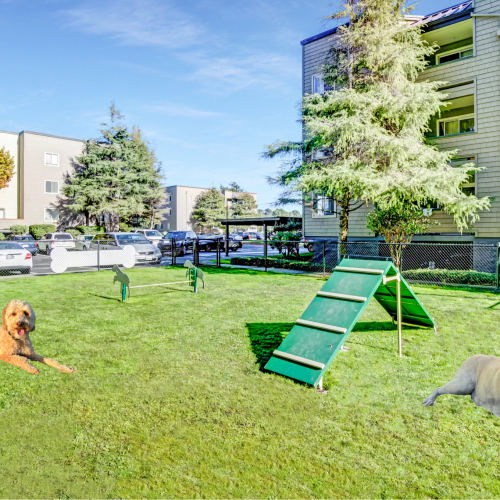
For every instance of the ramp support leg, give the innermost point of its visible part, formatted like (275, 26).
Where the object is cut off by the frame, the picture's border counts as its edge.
(124, 292)
(320, 385)
(397, 279)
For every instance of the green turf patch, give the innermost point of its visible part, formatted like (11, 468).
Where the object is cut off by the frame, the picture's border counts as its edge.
(170, 399)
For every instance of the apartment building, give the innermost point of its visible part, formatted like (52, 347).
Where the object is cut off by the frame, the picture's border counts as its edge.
(181, 201)
(41, 162)
(468, 36)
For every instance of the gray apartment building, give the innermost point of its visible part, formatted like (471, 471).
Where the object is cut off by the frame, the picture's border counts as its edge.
(41, 161)
(181, 201)
(468, 36)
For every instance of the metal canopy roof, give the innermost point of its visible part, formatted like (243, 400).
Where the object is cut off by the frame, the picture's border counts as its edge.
(258, 221)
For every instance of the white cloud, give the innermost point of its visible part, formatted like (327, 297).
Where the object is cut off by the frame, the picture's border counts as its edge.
(266, 69)
(144, 23)
(183, 111)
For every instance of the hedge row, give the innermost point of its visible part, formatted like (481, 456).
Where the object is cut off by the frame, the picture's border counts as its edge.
(444, 276)
(279, 264)
(438, 276)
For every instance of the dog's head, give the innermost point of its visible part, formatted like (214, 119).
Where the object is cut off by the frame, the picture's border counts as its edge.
(18, 319)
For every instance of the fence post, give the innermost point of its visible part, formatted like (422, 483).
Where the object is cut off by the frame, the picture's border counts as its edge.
(265, 253)
(498, 270)
(324, 258)
(400, 257)
(98, 256)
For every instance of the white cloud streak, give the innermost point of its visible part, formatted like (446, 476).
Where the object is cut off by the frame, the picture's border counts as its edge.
(129, 22)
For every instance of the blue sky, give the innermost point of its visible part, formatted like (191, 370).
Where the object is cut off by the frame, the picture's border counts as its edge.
(209, 82)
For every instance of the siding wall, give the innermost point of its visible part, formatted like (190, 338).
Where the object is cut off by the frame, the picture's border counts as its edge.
(34, 198)
(484, 70)
(9, 194)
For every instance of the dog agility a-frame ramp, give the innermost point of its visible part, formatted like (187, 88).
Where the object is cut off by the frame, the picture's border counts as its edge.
(312, 344)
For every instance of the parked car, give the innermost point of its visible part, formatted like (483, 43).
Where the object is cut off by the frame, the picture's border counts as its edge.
(252, 235)
(145, 251)
(152, 235)
(184, 241)
(309, 244)
(82, 241)
(26, 241)
(208, 242)
(236, 236)
(55, 240)
(13, 257)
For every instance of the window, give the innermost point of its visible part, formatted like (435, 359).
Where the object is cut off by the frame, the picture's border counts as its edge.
(319, 86)
(468, 187)
(453, 126)
(51, 215)
(2, 213)
(169, 211)
(51, 159)
(325, 206)
(51, 187)
(456, 55)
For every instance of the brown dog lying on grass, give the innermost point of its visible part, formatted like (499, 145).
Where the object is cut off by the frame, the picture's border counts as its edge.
(18, 320)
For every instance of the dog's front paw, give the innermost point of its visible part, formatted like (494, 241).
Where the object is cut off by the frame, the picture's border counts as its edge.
(429, 401)
(35, 371)
(70, 369)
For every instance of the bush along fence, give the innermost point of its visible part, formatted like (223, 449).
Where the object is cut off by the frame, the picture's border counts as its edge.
(450, 264)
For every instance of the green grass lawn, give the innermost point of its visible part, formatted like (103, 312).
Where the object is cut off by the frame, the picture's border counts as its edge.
(169, 399)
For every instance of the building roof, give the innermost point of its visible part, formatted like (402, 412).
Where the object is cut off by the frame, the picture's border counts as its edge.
(450, 11)
(454, 11)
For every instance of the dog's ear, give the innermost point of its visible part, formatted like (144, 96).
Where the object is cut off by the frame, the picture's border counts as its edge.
(32, 317)
(4, 315)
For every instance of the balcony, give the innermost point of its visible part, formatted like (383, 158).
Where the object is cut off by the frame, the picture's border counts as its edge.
(455, 43)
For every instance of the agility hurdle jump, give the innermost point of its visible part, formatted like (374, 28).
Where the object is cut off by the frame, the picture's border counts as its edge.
(192, 273)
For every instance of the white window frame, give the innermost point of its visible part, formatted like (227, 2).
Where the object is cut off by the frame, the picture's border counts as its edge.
(2, 210)
(50, 210)
(455, 119)
(461, 160)
(319, 213)
(45, 187)
(322, 85)
(455, 51)
(50, 164)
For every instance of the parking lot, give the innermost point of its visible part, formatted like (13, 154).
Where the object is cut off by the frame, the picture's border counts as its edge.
(41, 263)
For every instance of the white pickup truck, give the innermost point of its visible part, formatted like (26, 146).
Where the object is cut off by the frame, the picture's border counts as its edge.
(50, 241)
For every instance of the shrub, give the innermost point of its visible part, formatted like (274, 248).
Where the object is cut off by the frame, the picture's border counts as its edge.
(446, 276)
(38, 230)
(90, 229)
(73, 232)
(19, 229)
(123, 227)
(2, 236)
(280, 264)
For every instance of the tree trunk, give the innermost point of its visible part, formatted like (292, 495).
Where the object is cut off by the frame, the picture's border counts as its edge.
(344, 223)
(87, 218)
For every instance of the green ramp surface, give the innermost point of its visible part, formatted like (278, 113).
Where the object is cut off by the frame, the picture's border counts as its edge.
(312, 344)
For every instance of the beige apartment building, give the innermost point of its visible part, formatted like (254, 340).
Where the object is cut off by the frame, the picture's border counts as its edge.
(181, 201)
(468, 36)
(41, 162)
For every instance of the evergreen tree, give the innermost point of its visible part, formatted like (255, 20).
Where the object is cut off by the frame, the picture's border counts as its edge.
(244, 206)
(209, 206)
(116, 174)
(365, 139)
(233, 186)
(7, 167)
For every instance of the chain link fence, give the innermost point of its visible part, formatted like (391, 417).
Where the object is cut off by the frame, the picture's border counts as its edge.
(450, 264)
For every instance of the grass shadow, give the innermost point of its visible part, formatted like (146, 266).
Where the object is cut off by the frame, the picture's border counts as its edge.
(265, 338)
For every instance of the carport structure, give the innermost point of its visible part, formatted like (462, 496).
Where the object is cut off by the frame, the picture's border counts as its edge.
(257, 221)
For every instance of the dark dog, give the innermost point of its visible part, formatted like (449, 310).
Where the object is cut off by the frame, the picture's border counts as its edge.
(18, 320)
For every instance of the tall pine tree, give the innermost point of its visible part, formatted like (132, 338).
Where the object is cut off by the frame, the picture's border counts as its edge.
(116, 174)
(364, 140)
